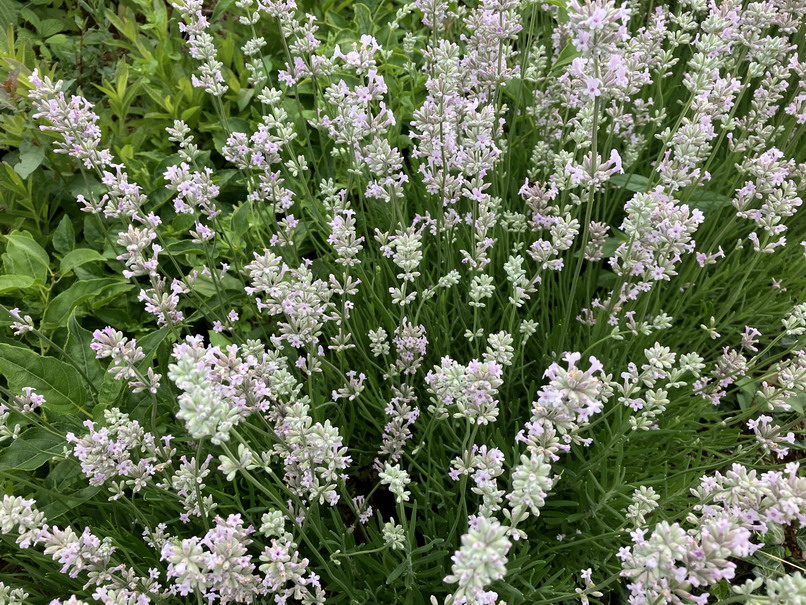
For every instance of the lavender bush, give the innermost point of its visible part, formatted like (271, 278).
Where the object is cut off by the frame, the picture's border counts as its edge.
(408, 302)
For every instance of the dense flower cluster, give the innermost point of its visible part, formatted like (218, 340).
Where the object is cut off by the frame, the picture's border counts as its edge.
(366, 241)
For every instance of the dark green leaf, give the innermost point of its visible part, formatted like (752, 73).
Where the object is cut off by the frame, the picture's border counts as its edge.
(240, 220)
(708, 201)
(567, 55)
(66, 503)
(59, 383)
(31, 450)
(64, 236)
(76, 258)
(150, 342)
(80, 292)
(631, 182)
(78, 348)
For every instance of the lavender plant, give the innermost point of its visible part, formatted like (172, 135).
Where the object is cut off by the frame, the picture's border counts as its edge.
(410, 302)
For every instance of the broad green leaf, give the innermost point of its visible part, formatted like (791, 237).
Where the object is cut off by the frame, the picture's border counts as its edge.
(59, 383)
(110, 293)
(31, 157)
(30, 16)
(59, 40)
(798, 403)
(49, 27)
(567, 55)
(108, 395)
(78, 257)
(221, 7)
(223, 177)
(517, 91)
(218, 339)
(150, 342)
(66, 503)
(611, 244)
(8, 13)
(631, 182)
(8, 283)
(240, 219)
(78, 348)
(709, 201)
(82, 291)
(363, 18)
(606, 279)
(25, 257)
(31, 450)
(64, 236)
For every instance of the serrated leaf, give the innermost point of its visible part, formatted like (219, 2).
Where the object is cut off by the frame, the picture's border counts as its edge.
(24, 256)
(31, 450)
(49, 27)
(8, 13)
(76, 258)
(29, 15)
(59, 40)
(59, 383)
